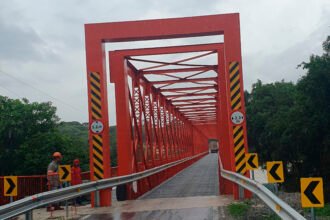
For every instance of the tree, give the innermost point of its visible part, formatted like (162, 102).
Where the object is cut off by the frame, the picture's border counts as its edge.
(313, 107)
(268, 113)
(291, 122)
(19, 121)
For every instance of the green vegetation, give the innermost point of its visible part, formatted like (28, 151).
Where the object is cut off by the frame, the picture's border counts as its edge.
(239, 209)
(325, 211)
(31, 132)
(272, 216)
(290, 122)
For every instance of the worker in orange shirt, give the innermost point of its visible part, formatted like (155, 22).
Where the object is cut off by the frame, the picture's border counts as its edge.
(53, 177)
(76, 177)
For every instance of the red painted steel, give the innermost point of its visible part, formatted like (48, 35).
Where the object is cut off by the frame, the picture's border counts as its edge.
(161, 120)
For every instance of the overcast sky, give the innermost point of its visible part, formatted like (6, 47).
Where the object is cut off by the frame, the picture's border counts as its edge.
(42, 50)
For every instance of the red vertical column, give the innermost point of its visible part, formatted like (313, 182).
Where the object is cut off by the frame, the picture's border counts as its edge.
(235, 97)
(99, 146)
(119, 75)
(225, 147)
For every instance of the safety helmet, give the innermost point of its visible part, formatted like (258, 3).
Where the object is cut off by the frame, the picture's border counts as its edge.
(76, 161)
(57, 154)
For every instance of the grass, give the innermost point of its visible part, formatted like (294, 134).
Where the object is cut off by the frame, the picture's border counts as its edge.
(325, 211)
(238, 209)
(272, 216)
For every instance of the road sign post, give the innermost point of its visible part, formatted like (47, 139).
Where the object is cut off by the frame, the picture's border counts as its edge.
(312, 214)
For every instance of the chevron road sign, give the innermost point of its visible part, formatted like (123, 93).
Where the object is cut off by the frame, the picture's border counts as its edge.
(275, 172)
(252, 161)
(64, 172)
(311, 192)
(10, 186)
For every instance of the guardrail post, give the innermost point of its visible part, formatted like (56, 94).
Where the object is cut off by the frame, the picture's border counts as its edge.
(66, 209)
(240, 192)
(276, 188)
(252, 174)
(97, 199)
(29, 215)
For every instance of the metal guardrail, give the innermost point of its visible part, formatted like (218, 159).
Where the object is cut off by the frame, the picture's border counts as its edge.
(27, 204)
(281, 208)
(32, 202)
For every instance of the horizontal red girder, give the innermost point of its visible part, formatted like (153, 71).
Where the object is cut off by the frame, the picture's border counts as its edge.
(195, 108)
(200, 116)
(188, 88)
(202, 119)
(198, 112)
(204, 123)
(197, 103)
(193, 100)
(184, 80)
(192, 94)
(206, 120)
(163, 63)
(180, 70)
(168, 50)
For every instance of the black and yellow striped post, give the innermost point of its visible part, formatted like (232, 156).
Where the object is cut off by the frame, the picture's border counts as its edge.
(96, 126)
(237, 117)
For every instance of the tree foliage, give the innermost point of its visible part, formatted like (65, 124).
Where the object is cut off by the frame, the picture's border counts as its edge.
(290, 122)
(31, 132)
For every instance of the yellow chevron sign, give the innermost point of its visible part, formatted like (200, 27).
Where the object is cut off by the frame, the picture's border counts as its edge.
(311, 192)
(275, 172)
(10, 186)
(64, 172)
(252, 161)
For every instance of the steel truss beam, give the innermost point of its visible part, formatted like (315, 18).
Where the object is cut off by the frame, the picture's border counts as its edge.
(181, 70)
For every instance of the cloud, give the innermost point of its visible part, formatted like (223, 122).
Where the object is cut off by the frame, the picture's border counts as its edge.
(42, 42)
(19, 43)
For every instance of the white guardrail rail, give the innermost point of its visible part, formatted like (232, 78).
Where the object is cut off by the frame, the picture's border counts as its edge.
(27, 204)
(281, 208)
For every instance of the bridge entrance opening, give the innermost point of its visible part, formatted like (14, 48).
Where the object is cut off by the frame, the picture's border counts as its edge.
(213, 145)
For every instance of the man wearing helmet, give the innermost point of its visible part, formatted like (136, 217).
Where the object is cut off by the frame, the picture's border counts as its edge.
(53, 177)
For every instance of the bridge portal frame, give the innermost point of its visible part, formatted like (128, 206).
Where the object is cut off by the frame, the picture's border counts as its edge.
(231, 136)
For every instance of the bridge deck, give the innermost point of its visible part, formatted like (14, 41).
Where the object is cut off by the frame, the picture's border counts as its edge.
(200, 179)
(191, 194)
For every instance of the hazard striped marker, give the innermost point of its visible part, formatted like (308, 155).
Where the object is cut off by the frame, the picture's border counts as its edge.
(237, 117)
(96, 125)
